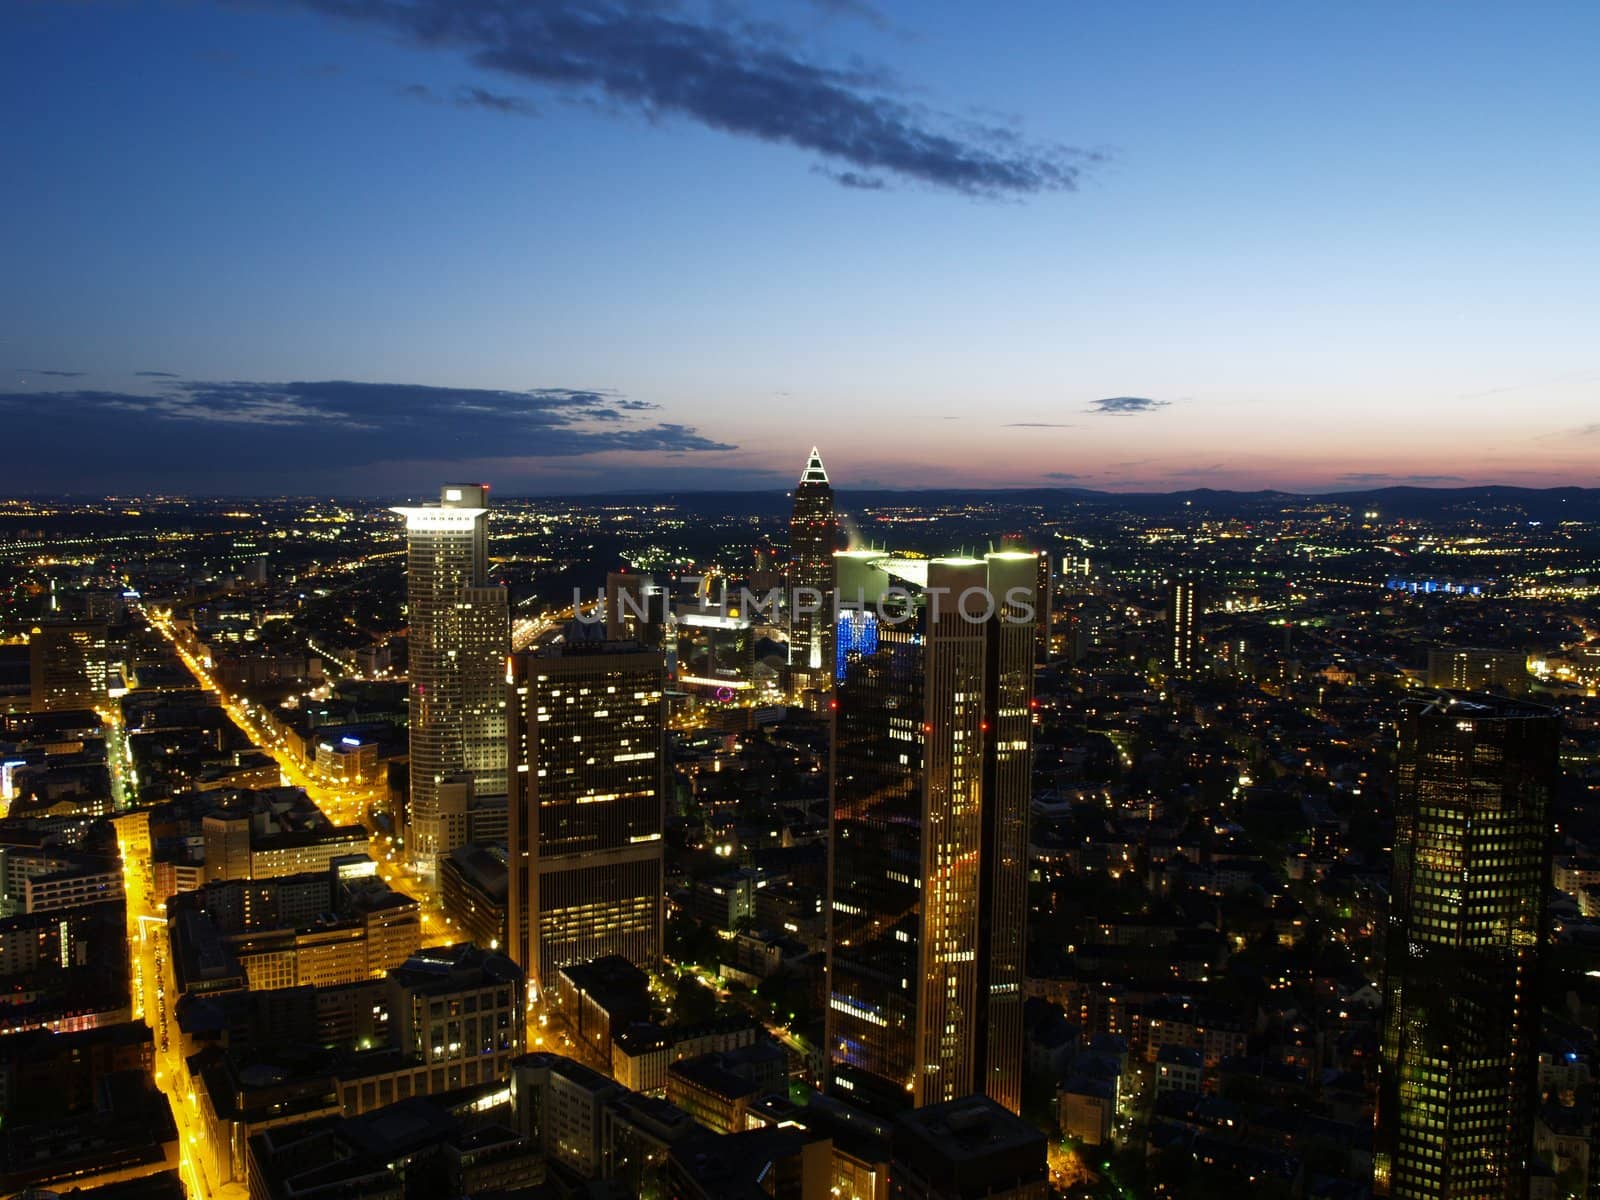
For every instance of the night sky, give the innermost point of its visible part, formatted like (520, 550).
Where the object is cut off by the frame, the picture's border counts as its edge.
(358, 246)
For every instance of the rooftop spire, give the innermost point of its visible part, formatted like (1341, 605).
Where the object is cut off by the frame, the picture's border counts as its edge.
(814, 472)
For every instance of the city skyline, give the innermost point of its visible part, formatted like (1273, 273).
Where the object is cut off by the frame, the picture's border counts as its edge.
(457, 742)
(1234, 249)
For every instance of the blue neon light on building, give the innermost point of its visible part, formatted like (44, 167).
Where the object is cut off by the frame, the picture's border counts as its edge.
(858, 631)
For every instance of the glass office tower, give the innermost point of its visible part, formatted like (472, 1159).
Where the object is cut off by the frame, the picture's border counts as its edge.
(459, 634)
(930, 783)
(586, 806)
(1458, 1088)
(813, 535)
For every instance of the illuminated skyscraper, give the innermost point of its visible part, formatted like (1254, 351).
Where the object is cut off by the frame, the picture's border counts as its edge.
(1458, 1089)
(813, 537)
(459, 635)
(1183, 605)
(930, 783)
(586, 807)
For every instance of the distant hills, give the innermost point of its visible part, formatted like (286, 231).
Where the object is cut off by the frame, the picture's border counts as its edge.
(1408, 502)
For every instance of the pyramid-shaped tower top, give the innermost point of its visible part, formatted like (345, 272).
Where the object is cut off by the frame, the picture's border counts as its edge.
(814, 472)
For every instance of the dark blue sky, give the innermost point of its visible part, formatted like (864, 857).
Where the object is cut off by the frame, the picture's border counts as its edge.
(356, 245)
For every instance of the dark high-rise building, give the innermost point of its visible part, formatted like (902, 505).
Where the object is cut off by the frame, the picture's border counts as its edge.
(636, 608)
(1183, 611)
(1046, 593)
(1458, 1089)
(459, 634)
(67, 665)
(930, 785)
(813, 537)
(587, 748)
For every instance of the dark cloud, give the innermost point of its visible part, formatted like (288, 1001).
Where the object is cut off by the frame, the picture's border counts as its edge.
(156, 375)
(1125, 404)
(57, 374)
(281, 430)
(1037, 425)
(1384, 479)
(1064, 476)
(743, 78)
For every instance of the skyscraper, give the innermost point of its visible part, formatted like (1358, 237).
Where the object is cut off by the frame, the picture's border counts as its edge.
(459, 635)
(1458, 1088)
(586, 811)
(1046, 596)
(813, 536)
(1182, 611)
(930, 783)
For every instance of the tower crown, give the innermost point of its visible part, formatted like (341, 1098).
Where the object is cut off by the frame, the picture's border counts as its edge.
(814, 472)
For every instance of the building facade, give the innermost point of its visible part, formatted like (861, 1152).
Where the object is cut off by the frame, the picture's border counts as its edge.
(930, 783)
(1458, 1088)
(459, 635)
(586, 808)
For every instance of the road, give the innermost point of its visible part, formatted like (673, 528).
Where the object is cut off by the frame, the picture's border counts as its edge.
(152, 988)
(341, 805)
(151, 979)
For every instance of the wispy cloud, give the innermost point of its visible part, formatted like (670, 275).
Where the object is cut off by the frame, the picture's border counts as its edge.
(155, 375)
(470, 97)
(1123, 405)
(854, 9)
(1552, 382)
(56, 374)
(1036, 425)
(742, 77)
(476, 97)
(1385, 479)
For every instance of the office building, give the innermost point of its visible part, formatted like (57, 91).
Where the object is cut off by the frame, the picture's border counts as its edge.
(813, 537)
(585, 819)
(969, 1149)
(931, 779)
(472, 888)
(1464, 669)
(636, 608)
(1183, 610)
(1472, 848)
(67, 665)
(459, 636)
